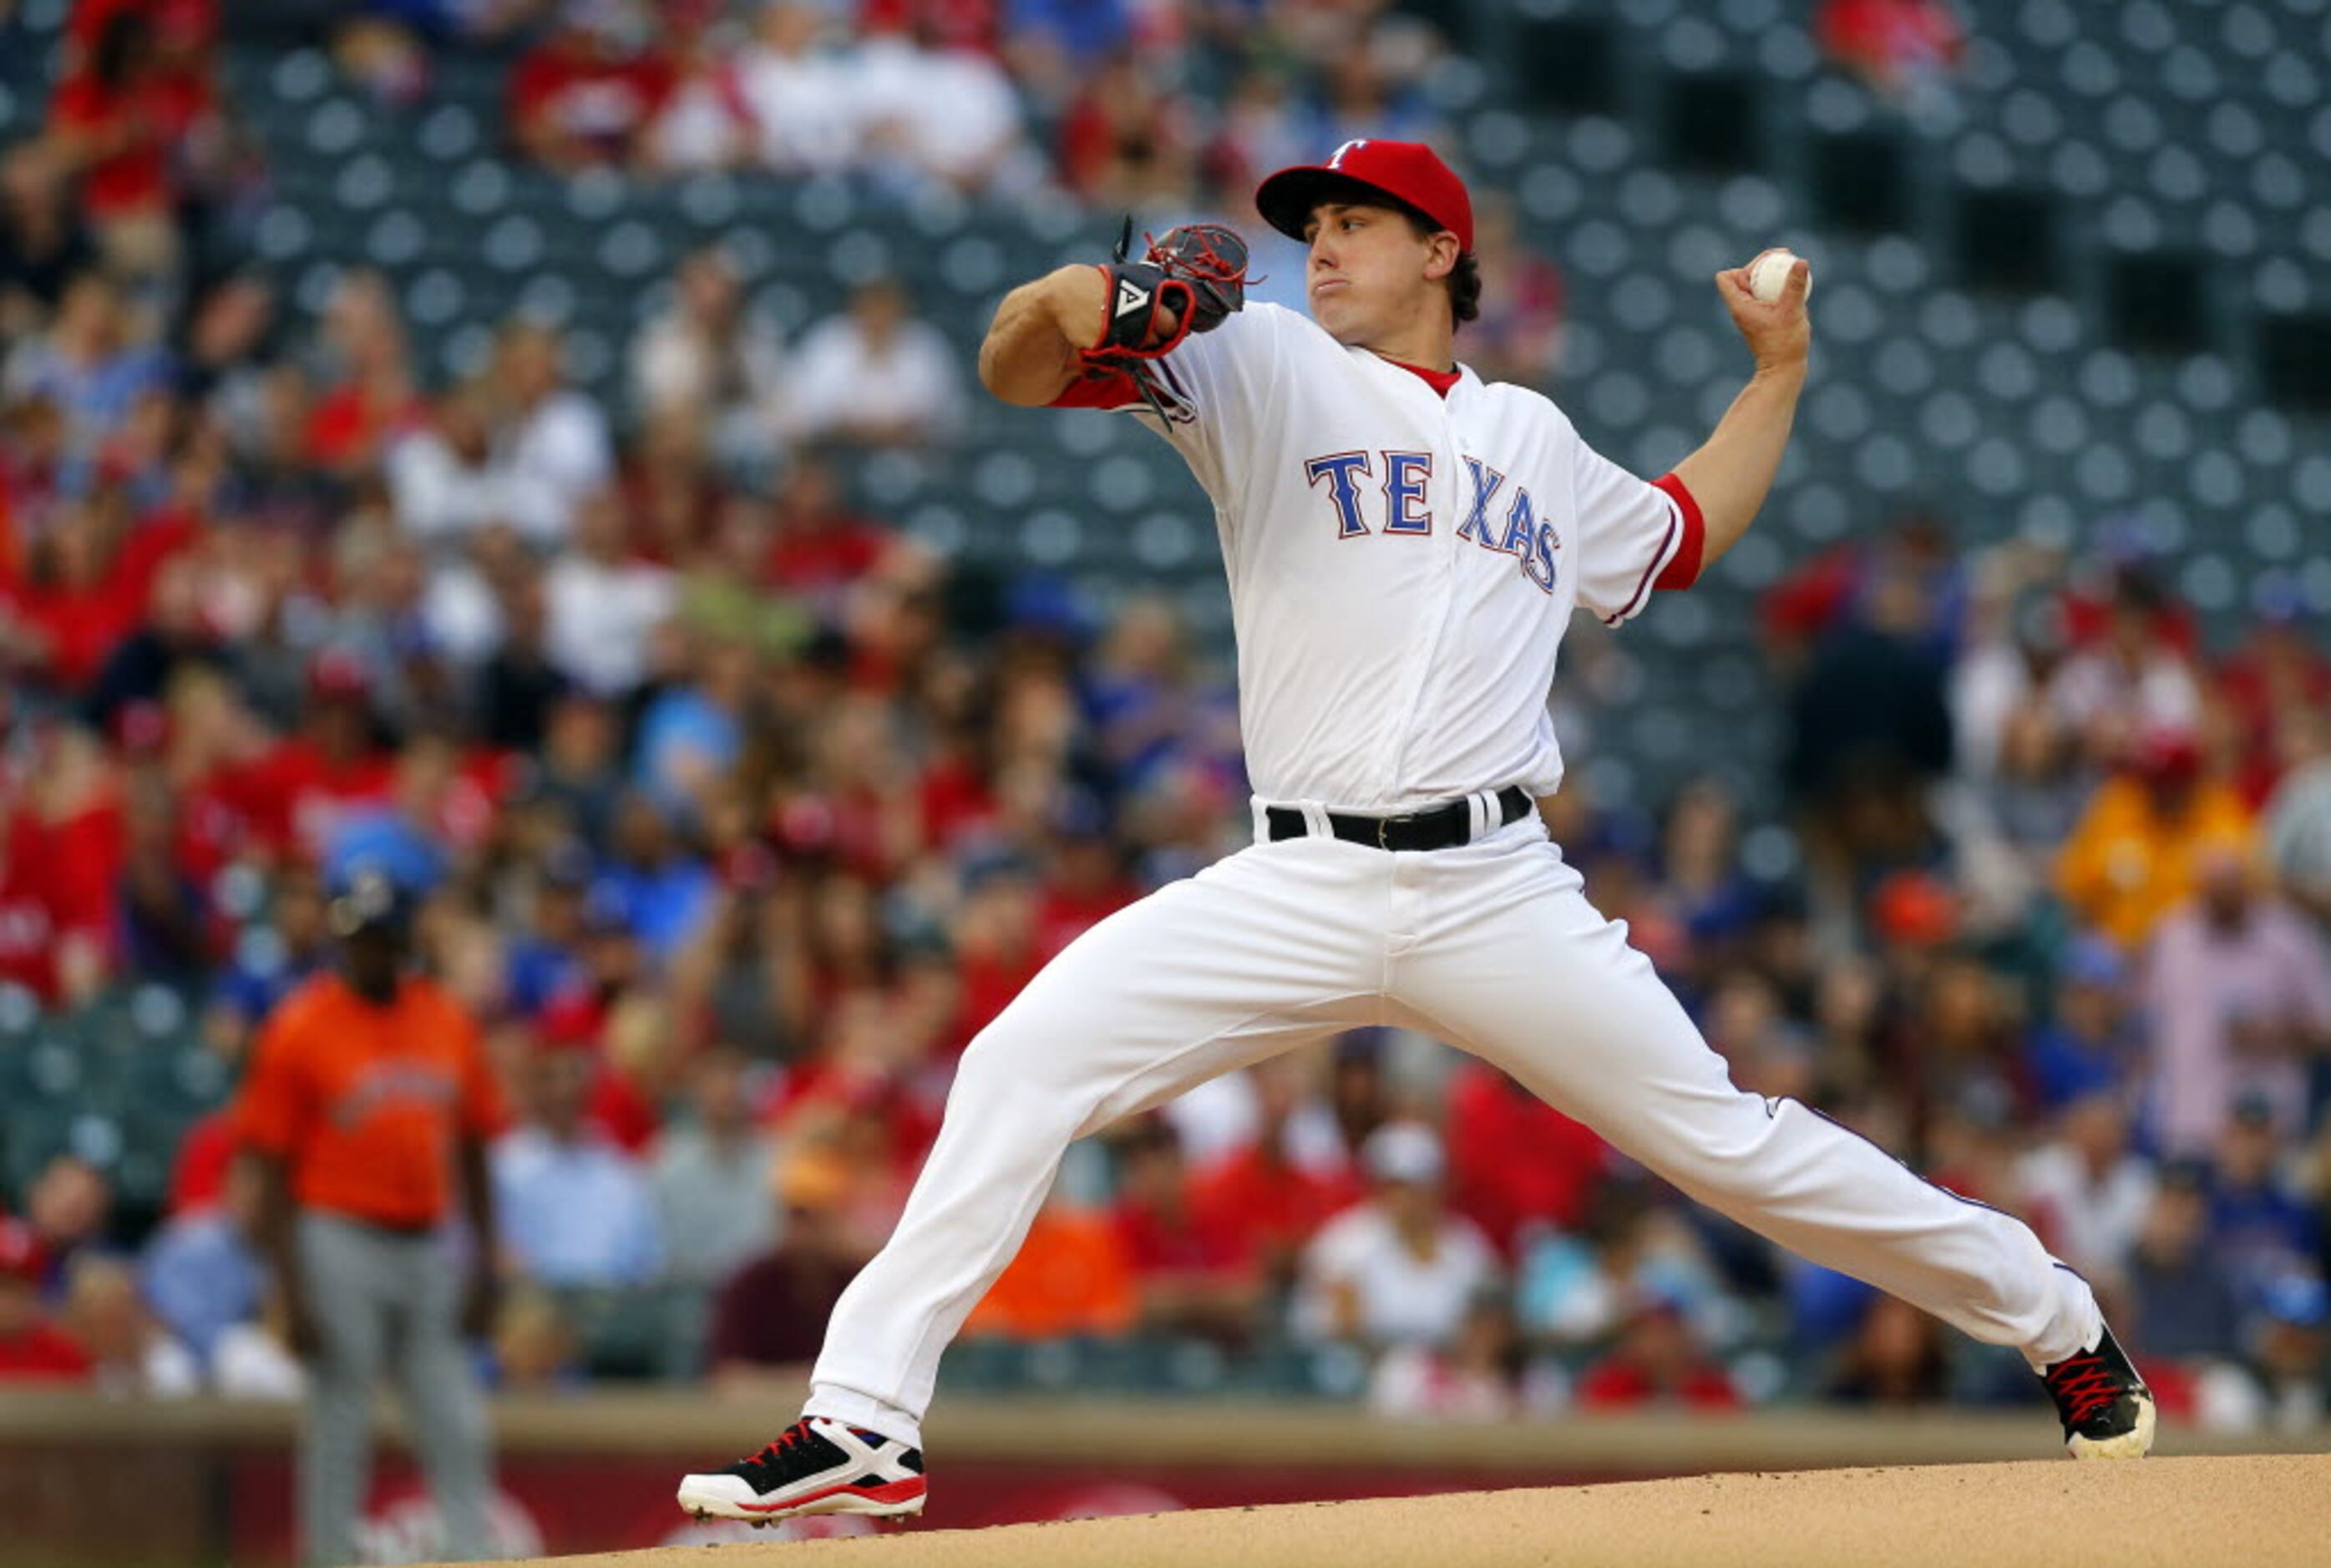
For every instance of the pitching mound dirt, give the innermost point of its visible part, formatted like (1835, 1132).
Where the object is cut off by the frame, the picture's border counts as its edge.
(2258, 1512)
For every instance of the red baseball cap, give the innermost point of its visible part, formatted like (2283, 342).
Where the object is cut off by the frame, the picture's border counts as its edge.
(20, 1252)
(1408, 170)
(2171, 753)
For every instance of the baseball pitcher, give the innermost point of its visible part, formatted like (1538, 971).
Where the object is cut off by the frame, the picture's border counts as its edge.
(1406, 546)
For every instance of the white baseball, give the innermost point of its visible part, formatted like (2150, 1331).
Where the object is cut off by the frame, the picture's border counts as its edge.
(1768, 274)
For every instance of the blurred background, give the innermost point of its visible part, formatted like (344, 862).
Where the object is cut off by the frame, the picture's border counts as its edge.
(533, 445)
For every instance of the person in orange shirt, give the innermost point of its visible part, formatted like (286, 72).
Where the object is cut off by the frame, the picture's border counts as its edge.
(1072, 1276)
(367, 1109)
(2132, 856)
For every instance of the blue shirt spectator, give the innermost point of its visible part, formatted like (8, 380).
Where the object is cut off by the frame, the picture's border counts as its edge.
(685, 736)
(663, 894)
(87, 367)
(2088, 1046)
(537, 971)
(576, 1211)
(201, 1273)
(2186, 1308)
(273, 955)
(1084, 29)
(2258, 1230)
(545, 961)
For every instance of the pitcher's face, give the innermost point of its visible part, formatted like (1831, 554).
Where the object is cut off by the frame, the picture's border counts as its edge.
(1369, 271)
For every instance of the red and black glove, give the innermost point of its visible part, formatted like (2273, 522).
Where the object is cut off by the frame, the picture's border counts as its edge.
(1189, 280)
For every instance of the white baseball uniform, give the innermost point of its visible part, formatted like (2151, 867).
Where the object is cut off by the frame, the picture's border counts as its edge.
(1402, 565)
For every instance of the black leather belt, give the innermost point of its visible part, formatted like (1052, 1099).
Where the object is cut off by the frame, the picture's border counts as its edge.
(1443, 827)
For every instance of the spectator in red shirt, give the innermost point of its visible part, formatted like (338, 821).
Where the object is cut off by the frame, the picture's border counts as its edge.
(1657, 1362)
(1898, 46)
(1084, 881)
(974, 25)
(588, 94)
(180, 25)
(1123, 142)
(2274, 674)
(33, 437)
(997, 949)
(1192, 1273)
(79, 597)
(820, 549)
(198, 1175)
(370, 398)
(131, 114)
(31, 1348)
(28, 921)
(295, 794)
(1258, 1194)
(58, 870)
(1514, 1160)
(206, 737)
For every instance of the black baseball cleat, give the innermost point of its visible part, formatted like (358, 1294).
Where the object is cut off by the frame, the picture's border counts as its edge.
(815, 1467)
(2104, 1404)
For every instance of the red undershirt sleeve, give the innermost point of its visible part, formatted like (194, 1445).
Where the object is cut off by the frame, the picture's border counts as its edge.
(1114, 390)
(1682, 569)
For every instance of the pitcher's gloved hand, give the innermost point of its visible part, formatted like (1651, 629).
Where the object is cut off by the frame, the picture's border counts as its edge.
(1189, 278)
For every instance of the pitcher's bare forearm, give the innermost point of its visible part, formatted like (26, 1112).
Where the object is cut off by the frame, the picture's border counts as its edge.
(1733, 470)
(1031, 351)
(1731, 473)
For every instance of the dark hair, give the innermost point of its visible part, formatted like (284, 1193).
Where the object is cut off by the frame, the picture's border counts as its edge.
(1464, 278)
(1465, 288)
(121, 46)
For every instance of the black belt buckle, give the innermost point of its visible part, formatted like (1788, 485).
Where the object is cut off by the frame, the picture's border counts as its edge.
(1383, 833)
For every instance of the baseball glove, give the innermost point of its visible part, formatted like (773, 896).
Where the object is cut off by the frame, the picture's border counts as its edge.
(1196, 272)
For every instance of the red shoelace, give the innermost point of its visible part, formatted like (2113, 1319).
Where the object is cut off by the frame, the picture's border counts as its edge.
(2084, 1385)
(794, 1434)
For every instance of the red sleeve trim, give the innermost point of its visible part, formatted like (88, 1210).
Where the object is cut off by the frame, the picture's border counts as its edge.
(1114, 390)
(1683, 571)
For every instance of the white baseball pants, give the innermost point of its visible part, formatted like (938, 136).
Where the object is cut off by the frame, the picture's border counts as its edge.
(1492, 947)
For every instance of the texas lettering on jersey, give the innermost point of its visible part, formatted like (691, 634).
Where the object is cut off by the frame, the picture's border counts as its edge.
(1368, 511)
(1515, 531)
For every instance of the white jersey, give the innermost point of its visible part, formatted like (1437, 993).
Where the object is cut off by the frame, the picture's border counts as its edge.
(1401, 565)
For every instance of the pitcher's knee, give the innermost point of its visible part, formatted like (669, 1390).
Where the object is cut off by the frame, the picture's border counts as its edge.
(1727, 1152)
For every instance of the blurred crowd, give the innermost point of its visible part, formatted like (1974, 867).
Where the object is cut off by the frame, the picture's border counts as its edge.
(981, 96)
(1167, 108)
(734, 814)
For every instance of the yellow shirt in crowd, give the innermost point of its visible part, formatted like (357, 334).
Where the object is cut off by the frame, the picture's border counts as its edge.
(2126, 865)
